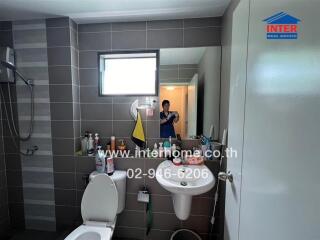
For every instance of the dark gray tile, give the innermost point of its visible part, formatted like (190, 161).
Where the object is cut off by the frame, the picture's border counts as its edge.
(88, 59)
(165, 221)
(199, 224)
(153, 129)
(15, 194)
(17, 215)
(91, 95)
(62, 129)
(81, 180)
(61, 111)
(14, 178)
(201, 206)
(66, 217)
(129, 233)
(39, 91)
(169, 38)
(42, 194)
(63, 146)
(64, 180)
(37, 177)
(132, 203)
(155, 187)
(65, 197)
(58, 56)
(161, 203)
(35, 73)
(202, 22)
(96, 27)
(89, 77)
(85, 164)
(129, 40)
(60, 75)
(95, 41)
(31, 55)
(58, 37)
(96, 111)
(6, 39)
(123, 26)
(159, 234)
(165, 24)
(5, 25)
(122, 112)
(131, 219)
(123, 128)
(57, 22)
(13, 162)
(208, 36)
(39, 210)
(64, 164)
(61, 93)
(104, 128)
(30, 36)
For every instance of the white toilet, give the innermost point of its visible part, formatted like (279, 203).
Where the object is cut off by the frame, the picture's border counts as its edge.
(102, 200)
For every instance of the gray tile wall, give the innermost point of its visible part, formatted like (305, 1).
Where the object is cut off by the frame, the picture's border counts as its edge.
(63, 57)
(10, 165)
(30, 44)
(110, 115)
(5, 33)
(179, 73)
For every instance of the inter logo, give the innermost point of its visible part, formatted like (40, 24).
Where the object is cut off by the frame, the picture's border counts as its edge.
(282, 26)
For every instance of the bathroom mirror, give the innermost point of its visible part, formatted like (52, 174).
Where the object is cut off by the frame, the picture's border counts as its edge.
(131, 73)
(189, 83)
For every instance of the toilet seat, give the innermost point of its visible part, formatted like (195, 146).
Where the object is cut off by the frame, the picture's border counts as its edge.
(98, 209)
(90, 232)
(100, 200)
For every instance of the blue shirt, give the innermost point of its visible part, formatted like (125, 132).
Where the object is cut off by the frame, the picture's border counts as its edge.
(167, 128)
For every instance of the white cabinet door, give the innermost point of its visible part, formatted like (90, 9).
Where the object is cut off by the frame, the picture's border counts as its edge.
(280, 193)
(236, 116)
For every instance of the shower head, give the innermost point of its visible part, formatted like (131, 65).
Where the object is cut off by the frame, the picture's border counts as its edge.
(12, 67)
(9, 65)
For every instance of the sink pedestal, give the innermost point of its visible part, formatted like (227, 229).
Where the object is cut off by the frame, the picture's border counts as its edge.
(182, 205)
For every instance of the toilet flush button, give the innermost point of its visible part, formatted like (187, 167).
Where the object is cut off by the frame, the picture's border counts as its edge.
(143, 196)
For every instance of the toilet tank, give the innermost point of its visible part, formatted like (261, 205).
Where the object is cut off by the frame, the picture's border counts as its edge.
(119, 178)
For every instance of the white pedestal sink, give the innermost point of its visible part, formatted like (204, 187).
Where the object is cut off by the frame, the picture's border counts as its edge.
(184, 182)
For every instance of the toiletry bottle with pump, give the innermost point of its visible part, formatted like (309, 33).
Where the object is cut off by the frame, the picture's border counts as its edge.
(155, 152)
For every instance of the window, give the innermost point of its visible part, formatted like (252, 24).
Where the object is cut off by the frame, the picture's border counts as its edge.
(128, 73)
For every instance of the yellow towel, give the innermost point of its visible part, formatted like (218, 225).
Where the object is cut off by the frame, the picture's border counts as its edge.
(138, 133)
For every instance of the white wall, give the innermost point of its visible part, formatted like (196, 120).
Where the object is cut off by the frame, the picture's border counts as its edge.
(209, 73)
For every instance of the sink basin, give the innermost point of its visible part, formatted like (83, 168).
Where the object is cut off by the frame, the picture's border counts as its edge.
(184, 182)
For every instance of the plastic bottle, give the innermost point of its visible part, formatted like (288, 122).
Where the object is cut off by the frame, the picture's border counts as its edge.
(113, 143)
(84, 145)
(161, 150)
(97, 142)
(100, 161)
(90, 145)
(109, 166)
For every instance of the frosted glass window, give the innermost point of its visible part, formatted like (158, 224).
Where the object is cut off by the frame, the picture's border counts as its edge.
(129, 73)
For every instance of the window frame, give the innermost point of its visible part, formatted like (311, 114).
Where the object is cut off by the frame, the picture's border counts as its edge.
(156, 51)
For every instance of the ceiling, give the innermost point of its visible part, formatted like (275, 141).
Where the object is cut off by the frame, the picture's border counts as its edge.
(88, 11)
(173, 56)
